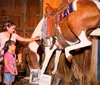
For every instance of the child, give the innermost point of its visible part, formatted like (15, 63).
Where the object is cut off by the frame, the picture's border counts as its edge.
(9, 62)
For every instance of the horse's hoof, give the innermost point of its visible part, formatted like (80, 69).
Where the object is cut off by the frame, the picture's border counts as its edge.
(69, 59)
(48, 73)
(69, 63)
(53, 72)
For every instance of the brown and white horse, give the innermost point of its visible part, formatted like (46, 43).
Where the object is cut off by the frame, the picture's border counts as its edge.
(85, 16)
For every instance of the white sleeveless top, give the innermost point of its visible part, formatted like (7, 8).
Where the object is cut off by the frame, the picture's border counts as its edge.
(3, 39)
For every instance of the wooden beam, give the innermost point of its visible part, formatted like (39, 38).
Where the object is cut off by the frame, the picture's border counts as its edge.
(23, 23)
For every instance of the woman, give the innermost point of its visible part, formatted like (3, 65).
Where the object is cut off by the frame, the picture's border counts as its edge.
(9, 31)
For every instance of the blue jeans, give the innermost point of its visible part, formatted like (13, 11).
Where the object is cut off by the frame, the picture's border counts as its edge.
(8, 77)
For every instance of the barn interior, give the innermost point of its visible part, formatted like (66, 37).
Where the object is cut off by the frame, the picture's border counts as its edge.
(26, 14)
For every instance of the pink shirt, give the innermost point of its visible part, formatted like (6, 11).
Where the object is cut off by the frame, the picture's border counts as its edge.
(11, 61)
(3, 39)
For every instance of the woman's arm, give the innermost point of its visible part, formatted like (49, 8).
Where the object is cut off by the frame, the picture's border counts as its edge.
(7, 66)
(19, 38)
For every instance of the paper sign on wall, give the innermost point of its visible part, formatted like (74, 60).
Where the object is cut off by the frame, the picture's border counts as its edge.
(34, 77)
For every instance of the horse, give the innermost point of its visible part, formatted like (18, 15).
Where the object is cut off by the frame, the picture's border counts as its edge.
(80, 22)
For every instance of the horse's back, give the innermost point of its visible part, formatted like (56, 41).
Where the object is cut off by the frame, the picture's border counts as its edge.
(85, 17)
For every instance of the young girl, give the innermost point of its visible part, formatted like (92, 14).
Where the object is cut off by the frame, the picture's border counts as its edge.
(9, 62)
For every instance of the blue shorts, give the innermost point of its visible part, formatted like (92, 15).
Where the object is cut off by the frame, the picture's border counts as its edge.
(8, 77)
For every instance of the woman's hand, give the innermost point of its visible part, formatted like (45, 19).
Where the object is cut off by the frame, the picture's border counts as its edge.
(37, 38)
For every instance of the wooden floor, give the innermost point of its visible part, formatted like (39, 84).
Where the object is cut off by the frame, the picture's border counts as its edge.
(16, 83)
(20, 83)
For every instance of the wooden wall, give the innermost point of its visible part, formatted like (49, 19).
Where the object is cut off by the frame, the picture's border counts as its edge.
(54, 3)
(24, 13)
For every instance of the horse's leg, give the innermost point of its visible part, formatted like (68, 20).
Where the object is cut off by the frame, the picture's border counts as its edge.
(48, 54)
(34, 47)
(84, 42)
(58, 52)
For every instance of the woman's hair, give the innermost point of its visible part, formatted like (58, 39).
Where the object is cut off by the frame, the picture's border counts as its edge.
(8, 24)
(7, 44)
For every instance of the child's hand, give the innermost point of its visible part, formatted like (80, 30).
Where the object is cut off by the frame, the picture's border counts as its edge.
(13, 73)
(16, 73)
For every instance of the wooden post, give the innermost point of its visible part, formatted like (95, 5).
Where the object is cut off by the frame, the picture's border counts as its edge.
(94, 58)
(41, 9)
(13, 7)
(23, 23)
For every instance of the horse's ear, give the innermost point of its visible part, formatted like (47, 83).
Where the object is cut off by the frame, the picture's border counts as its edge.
(47, 7)
(47, 4)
